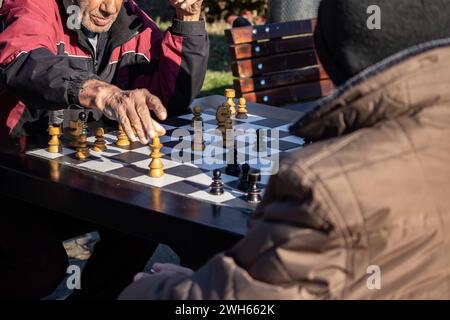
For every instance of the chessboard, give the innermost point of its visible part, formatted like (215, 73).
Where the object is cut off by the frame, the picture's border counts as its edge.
(189, 172)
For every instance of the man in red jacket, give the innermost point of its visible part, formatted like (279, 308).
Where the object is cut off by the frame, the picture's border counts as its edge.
(104, 55)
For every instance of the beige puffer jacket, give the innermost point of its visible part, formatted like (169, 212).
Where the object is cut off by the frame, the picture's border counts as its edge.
(372, 193)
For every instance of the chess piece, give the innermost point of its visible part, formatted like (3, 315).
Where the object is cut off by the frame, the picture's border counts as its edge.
(156, 165)
(242, 109)
(197, 116)
(223, 116)
(83, 119)
(217, 184)
(75, 128)
(122, 138)
(254, 192)
(82, 149)
(100, 143)
(224, 122)
(233, 168)
(243, 181)
(230, 94)
(54, 146)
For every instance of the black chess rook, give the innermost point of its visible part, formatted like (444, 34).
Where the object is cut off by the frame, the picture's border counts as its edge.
(254, 192)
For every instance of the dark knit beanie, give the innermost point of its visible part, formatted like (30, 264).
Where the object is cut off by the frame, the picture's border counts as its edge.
(346, 45)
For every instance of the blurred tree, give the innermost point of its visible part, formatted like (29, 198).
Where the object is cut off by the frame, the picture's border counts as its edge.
(214, 9)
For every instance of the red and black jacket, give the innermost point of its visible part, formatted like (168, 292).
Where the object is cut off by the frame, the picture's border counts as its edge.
(43, 64)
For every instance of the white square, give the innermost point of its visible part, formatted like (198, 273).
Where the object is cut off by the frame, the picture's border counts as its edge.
(209, 126)
(251, 118)
(294, 139)
(102, 165)
(110, 152)
(210, 166)
(109, 138)
(206, 178)
(144, 164)
(144, 150)
(45, 154)
(205, 195)
(158, 182)
(205, 116)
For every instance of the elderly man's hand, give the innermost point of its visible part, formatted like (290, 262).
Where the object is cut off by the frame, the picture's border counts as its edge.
(187, 10)
(132, 109)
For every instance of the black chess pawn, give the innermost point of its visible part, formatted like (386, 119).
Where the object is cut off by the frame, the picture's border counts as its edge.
(197, 117)
(243, 180)
(254, 192)
(83, 119)
(217, 184)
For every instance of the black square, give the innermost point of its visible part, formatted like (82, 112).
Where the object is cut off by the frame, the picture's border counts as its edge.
(184, 187)
(237, 203)
(270, 123)
(173, 144)
(130, 157)
(210, 111)
(110, 140)
(129, 172)
(132, 146)
(286, 145)
(72, 159)
(170, 133)
(108, 153)
(177, 122)
(184, 171)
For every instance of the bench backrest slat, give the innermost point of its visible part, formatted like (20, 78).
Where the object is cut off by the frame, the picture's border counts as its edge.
(245, 85)
(269, 31)
(261, 49)
(257, 67)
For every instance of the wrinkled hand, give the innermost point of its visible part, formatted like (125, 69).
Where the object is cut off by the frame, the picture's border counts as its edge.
(165, 269)
(188, 10)
(132, 109)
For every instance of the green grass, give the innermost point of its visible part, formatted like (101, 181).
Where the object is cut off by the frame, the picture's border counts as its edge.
(218, 76)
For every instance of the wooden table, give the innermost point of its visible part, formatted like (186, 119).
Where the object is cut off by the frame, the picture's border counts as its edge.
(202, 228)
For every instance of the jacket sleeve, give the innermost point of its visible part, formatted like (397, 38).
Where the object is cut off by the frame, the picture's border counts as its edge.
(29, 66)
(289, 253)
(183, 59)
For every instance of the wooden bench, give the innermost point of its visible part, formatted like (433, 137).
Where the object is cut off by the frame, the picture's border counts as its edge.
(276, 63)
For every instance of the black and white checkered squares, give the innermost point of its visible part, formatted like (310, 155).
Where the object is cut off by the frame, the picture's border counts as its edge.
(189, 172)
